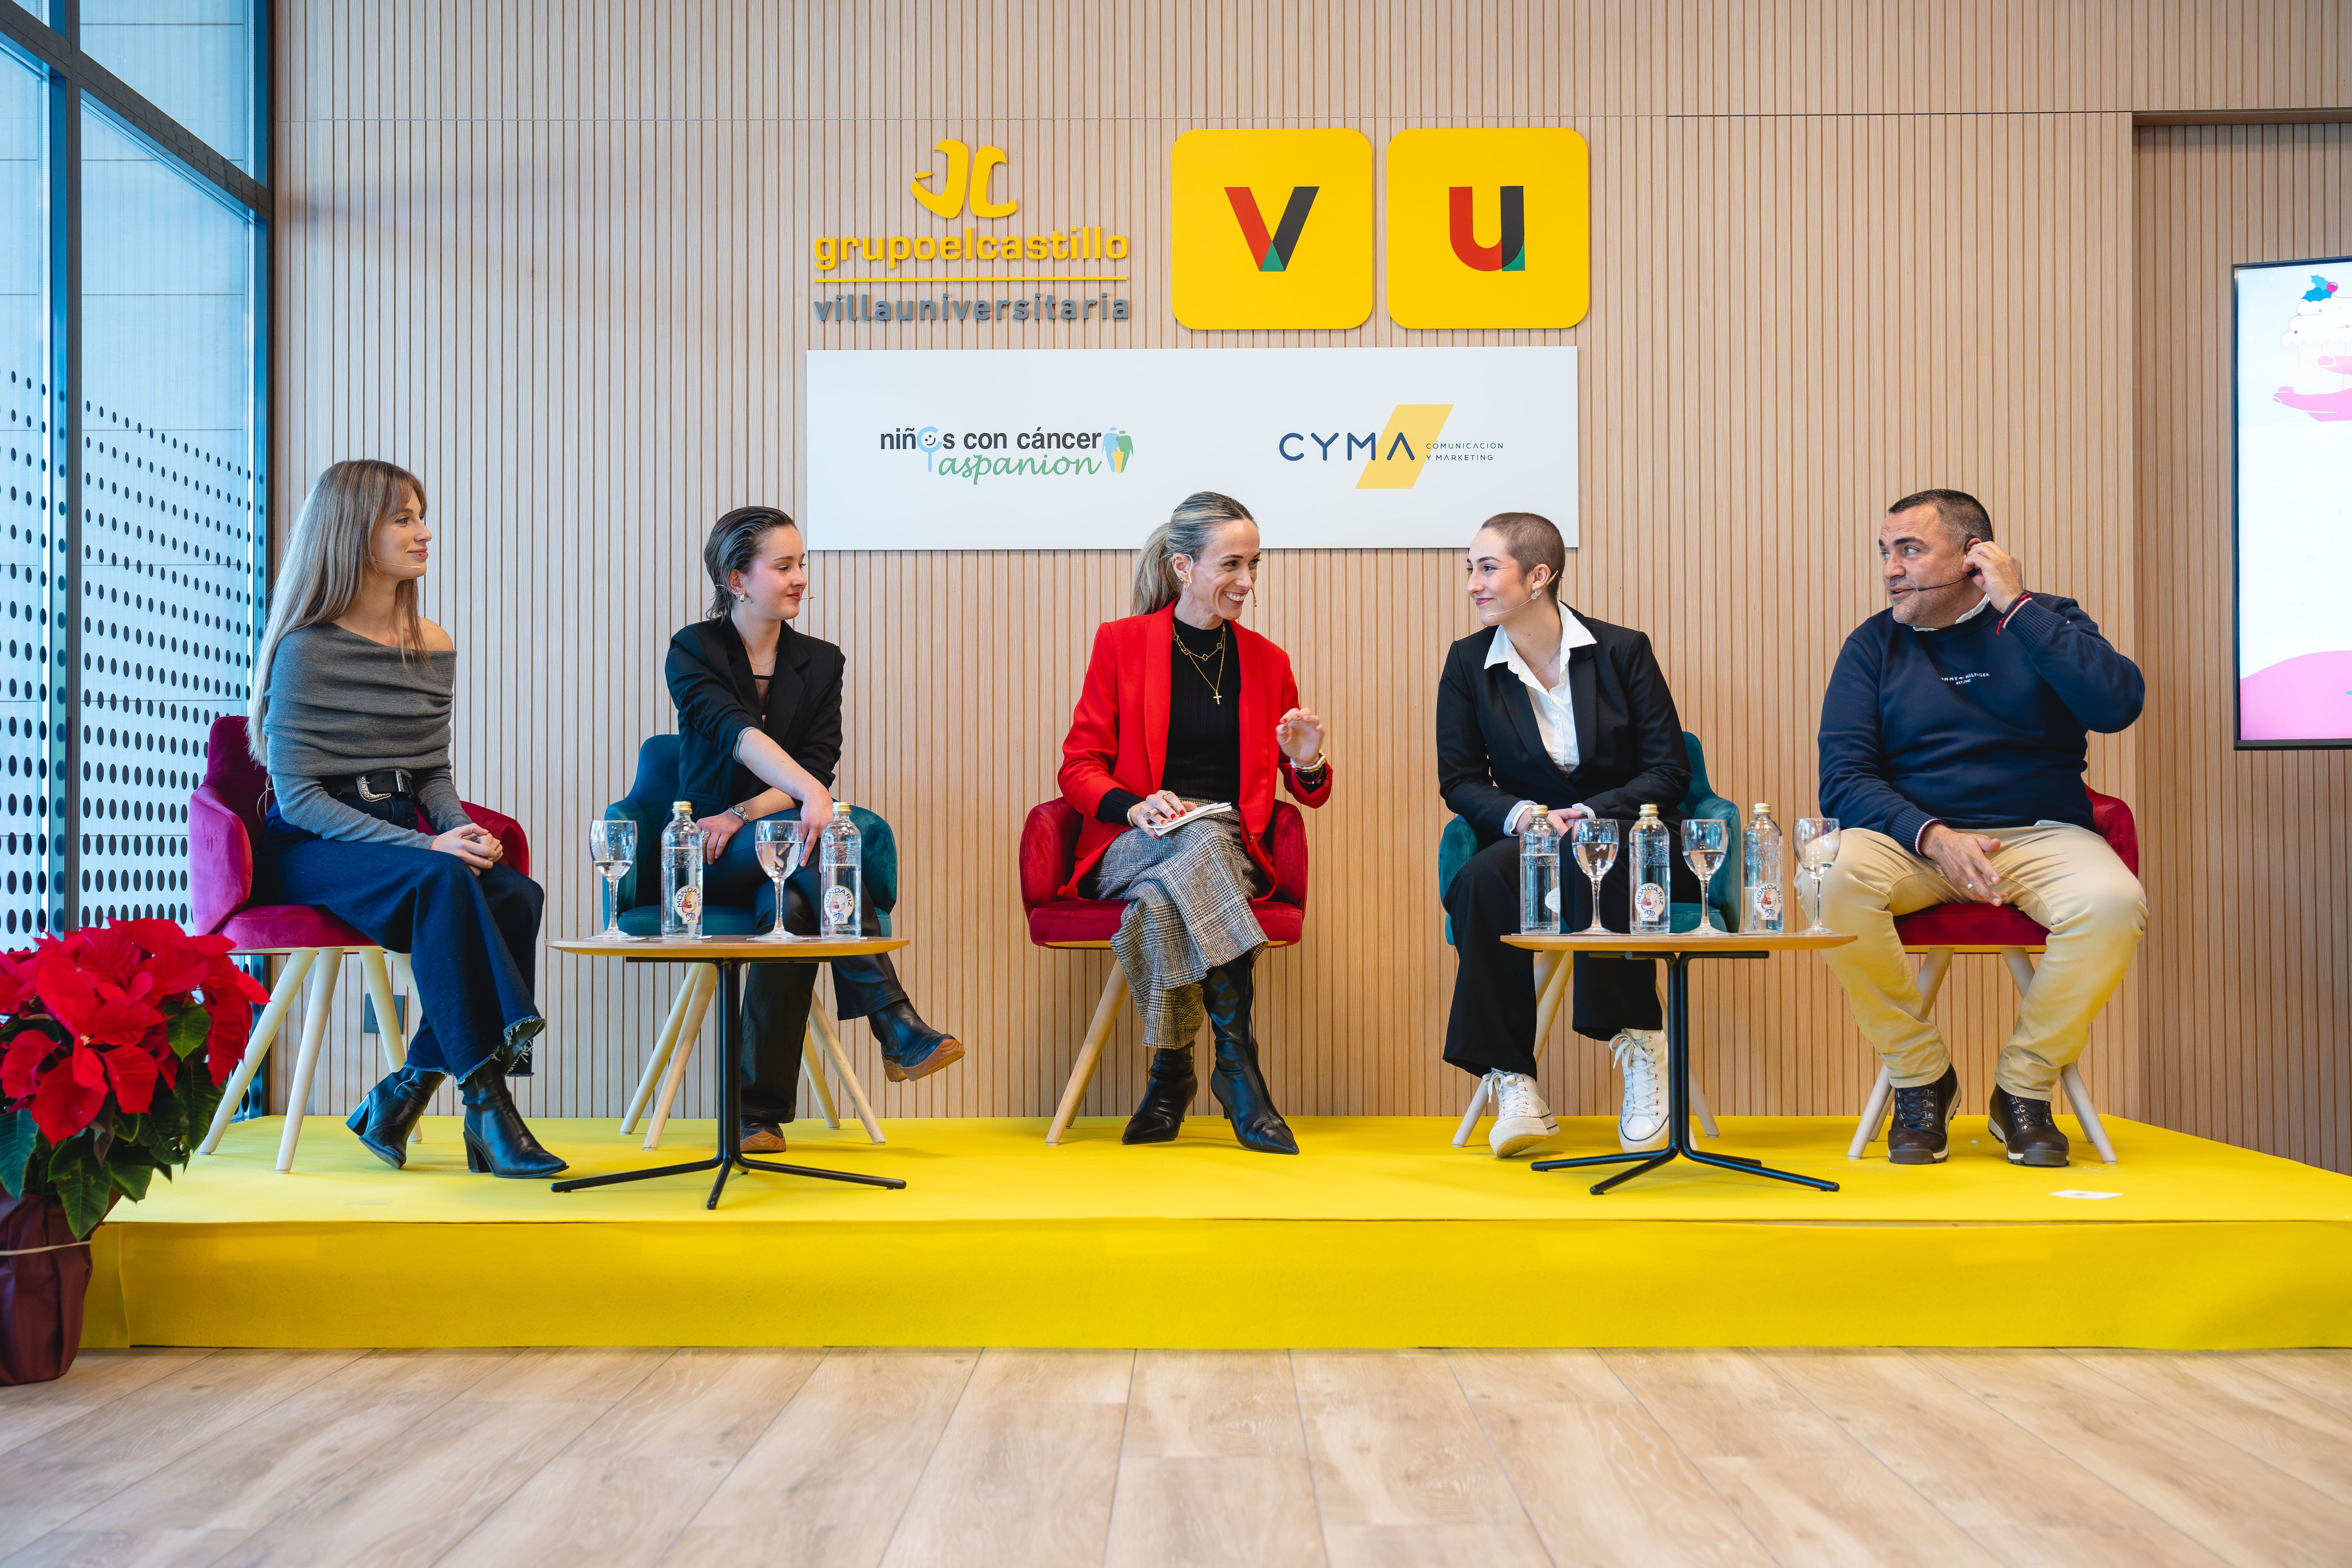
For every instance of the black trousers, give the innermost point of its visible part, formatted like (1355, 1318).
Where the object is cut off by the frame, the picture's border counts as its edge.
(1492, 1027)
(471, 939)
(776, 996)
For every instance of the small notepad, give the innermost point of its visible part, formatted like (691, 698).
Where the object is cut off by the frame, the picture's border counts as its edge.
(1162, 829)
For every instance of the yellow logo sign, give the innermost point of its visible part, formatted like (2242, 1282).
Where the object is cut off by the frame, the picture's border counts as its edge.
(965, 172)
(1272, 229)
(1489, 229)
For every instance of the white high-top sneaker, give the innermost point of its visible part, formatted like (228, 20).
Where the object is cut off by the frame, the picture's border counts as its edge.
(1522, 1121)
(1642, 1056)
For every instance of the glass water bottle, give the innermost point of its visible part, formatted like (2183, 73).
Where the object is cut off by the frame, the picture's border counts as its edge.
(840, 874)
(1540, 875)
(1652, 878)
(681, 872)
(1761, 909)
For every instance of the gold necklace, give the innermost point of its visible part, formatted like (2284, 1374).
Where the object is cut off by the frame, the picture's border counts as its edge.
(1201, 666)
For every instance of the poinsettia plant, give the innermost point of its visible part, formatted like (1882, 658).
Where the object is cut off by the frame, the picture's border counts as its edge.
(114, 1043)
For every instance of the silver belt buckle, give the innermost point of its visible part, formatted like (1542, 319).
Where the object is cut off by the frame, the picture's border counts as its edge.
(367, 794)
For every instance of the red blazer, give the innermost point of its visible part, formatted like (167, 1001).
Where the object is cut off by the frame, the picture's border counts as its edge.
(1119, 731)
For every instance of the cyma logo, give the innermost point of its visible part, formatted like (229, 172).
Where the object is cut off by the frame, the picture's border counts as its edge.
(1529, 188)
(1394, 458)
(1273, 250)
(1310, 267)
(1509, 252)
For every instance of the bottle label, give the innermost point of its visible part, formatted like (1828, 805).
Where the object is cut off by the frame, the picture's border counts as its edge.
(687, 902)
(840, 905)
(1650, 904)
(1767, 908)
(1551, 899)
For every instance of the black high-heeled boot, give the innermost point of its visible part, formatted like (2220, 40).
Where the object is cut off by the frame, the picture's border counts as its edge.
(496, 1141)
(388, 1115)
(1227, 994)
(1166, 1094)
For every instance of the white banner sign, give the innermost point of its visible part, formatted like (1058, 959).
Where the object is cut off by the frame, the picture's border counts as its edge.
(1090, 449)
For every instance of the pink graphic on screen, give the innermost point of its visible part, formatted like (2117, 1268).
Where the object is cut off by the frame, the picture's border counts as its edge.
(2297, 699)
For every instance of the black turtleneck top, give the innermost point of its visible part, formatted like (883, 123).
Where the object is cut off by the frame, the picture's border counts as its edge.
(1205, 722)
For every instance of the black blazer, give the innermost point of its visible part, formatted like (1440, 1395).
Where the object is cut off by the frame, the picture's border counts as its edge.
(709, 677)
(1628, 739)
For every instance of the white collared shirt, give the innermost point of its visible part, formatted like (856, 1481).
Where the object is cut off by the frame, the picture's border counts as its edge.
(1971, 614)
(1555, 706)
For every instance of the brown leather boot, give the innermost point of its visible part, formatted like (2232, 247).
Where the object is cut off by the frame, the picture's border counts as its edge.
(2025, 1128)
(1923, 1115)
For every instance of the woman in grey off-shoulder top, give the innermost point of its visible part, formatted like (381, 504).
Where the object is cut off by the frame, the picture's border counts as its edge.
(350, 714)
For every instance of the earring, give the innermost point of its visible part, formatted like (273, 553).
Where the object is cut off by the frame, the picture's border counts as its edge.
(741, 596)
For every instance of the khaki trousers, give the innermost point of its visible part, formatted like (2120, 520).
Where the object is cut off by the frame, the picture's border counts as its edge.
(2066, 877)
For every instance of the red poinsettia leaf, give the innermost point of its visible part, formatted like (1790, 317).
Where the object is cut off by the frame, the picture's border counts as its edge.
(232, 1023)
(20, 1069)
(105, 952)
(224, 981)
(134, 1075)
(70, 1095)
(15, 979)
(95, 1011)
(175, 963)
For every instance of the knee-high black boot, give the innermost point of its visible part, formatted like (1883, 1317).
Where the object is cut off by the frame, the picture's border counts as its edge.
(1227, 994)
(388, 1115)
(496, 1141)
(1166, 1093)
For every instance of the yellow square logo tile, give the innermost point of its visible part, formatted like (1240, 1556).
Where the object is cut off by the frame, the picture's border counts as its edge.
(1489, 229)
(1271, 228)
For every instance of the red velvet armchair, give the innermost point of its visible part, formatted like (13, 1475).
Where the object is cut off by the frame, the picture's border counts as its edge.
(1939, 933)
(224, 817)
(1049, 847)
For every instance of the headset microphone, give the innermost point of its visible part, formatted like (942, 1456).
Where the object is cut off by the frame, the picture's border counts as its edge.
(1968, 576)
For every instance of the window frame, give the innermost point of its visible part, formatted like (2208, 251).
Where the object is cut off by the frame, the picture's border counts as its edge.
(76, 81)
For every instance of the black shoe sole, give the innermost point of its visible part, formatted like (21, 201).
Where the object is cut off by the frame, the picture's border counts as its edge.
(1936, 1158)
(1166, 1137)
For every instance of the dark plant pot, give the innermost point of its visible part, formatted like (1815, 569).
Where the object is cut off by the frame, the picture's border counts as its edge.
(42, 1285)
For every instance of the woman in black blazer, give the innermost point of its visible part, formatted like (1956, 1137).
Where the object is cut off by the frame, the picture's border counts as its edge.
(1546, 708)
(759, 718)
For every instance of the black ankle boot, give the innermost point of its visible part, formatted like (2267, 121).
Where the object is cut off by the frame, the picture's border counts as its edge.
(388, 1115)
(496, 1141)
(910, 1047)
(1227, 994)
(1166, 1093)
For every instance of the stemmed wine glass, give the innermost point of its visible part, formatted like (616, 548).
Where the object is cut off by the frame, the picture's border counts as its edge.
(613, 845)
(1703, 846)
(1817, 849)
(1596, 851)
(782, 843)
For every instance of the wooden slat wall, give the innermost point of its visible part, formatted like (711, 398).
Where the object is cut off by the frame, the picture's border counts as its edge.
(2248, 987)
(552, 256)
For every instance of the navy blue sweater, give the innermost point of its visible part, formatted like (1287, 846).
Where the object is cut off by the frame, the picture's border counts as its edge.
(1978, 725)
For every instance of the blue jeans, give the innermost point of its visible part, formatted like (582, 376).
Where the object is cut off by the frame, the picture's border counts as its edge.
(471, 939)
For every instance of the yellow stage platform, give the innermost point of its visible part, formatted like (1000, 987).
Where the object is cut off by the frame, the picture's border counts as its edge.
(1379, 1235)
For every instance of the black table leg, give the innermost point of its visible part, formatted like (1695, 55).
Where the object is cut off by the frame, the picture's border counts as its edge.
(729, 1157)
(1678, 1143)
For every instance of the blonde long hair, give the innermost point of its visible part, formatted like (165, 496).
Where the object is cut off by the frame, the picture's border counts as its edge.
(320, 576)
(1186, 532)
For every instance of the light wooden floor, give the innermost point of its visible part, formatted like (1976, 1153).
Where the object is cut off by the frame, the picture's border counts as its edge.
(1040, 1457)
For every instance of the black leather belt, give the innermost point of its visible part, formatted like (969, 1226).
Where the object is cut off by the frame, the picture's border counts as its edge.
(384, 784)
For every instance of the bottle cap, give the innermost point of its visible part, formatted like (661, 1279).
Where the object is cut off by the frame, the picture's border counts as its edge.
(1761, 809)
(1649, 811)
(1542, 810)
(685, 806)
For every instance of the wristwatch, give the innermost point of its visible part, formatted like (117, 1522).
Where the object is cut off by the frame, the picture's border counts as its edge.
(740, 814)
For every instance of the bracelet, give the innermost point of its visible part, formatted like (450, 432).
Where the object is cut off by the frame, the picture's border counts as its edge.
(740, 814)
(1322, 760)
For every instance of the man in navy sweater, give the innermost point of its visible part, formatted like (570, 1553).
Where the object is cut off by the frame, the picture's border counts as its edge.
(1953, 742)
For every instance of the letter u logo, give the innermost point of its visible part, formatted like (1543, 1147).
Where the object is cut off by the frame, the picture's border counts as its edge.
(1509, 252)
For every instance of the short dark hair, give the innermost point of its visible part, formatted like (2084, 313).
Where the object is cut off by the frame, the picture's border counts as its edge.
(1531, 541)
(733, 545)
(1956, 510)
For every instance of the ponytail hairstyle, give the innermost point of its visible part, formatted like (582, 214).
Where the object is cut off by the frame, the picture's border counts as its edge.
(326, 561)
(1532, 541)
(733, 545)
(1186, 532)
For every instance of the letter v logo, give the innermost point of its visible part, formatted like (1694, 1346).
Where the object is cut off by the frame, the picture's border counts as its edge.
(1272, 252)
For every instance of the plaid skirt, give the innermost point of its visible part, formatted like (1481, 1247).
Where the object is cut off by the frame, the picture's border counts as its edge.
(1188, 913)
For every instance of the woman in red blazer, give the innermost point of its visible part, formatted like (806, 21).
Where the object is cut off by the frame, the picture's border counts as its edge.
(1183, 707)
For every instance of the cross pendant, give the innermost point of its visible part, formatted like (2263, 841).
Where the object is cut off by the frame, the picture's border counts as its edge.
(1218, 697)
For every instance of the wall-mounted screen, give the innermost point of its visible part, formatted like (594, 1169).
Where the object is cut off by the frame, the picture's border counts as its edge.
(2292, 367)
